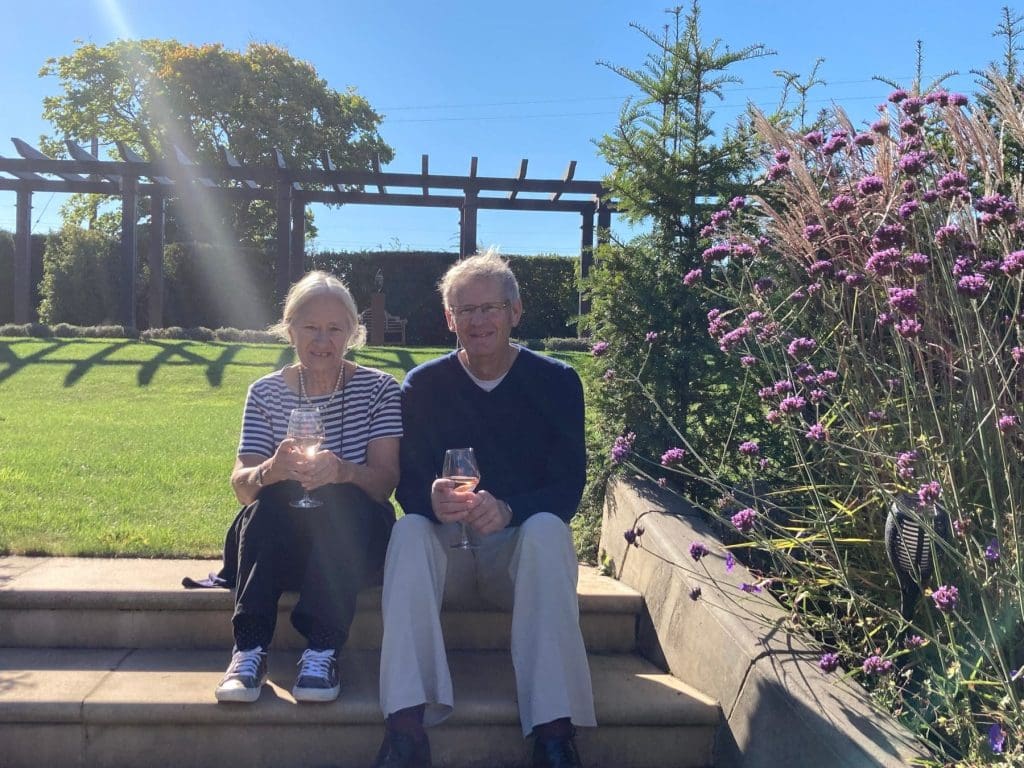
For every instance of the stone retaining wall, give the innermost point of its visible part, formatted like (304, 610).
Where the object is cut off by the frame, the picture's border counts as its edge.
(780, 709)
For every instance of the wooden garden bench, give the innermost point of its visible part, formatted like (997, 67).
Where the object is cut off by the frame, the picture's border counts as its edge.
(394, 326)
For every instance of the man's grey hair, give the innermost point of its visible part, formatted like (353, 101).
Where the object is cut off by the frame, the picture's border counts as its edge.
(487, 264)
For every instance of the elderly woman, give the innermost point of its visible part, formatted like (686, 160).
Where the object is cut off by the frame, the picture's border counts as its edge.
(328, 553)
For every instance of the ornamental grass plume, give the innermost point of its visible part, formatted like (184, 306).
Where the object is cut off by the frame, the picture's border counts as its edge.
(894, 268)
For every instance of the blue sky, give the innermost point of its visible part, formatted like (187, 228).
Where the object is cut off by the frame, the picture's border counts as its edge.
(501, 81)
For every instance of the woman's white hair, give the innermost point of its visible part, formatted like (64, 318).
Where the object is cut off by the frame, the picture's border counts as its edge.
(320, 283)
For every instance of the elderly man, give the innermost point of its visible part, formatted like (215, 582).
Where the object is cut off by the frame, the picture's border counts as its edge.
(522, 413)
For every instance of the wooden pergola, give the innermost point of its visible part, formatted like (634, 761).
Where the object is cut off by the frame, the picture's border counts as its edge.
(291, 190)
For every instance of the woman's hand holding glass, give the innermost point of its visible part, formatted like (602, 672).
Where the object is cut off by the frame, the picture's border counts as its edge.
(306, 433)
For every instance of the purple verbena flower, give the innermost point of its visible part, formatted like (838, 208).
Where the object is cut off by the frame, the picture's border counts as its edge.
(738, 202)
(763, 285)
(599, 348)
(813, 231)
(864, 139)
(716, 252)
(651, 337)
(898, 95)
(623, 447)
(609, 374)
(750, 589)
(782, 156)
(884, 262)
(828, 662)
(698, 550)
(827, 377)
(929, 493)
(672, 456)
(952, 184)
(876, 665)
(996, 739)
(777, 171)
(730, 562)
(750, 448)
(946, 598)
(814, 138)
(913, 163)
(904, 300)
(1013, 263)
(1007, 422)
(913, 642)
(842, 204)
(908, 209)
(992, 551)
(870, 185)
(748, 360)
(792, 404)
(744, 520)
(801, 346)
(695, 593)
(817, 432)
(972, 285)
(917, 263)
(692, 276)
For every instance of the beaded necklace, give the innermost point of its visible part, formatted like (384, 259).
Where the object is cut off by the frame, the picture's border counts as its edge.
(338, 385)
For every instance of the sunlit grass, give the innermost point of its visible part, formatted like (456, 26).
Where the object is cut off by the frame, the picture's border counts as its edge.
(113, 447)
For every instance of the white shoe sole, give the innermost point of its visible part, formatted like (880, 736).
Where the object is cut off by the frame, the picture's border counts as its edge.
(239, 695)
(319, 695)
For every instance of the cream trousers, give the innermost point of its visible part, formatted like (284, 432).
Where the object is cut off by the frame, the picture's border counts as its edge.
(530, 569)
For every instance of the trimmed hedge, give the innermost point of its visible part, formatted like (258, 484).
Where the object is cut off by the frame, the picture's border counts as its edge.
(210, 286)
(547, 285)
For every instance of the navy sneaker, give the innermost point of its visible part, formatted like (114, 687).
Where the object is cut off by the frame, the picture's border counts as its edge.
(318, 678)
(245, 677)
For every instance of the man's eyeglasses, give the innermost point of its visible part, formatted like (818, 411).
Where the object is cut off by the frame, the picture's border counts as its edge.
(488, 310)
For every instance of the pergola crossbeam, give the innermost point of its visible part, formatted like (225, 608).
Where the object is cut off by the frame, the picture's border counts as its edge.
(290, 190)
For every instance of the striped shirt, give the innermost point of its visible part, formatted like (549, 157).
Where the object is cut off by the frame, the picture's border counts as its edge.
(368, 407)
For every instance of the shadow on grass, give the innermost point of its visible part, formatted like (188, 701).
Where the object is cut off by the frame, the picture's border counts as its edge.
(15, 363)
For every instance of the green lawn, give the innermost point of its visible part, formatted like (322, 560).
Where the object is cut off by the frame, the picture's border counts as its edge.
(118, 447)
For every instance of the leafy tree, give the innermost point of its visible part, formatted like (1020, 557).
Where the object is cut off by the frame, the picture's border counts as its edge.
(670, 170)
(154, 93)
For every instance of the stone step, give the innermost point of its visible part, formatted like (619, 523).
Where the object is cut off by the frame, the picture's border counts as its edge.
(131, 603)
(124, 708)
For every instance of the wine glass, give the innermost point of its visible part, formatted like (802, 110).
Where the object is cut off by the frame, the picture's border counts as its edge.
(460, 466)
(306, 428)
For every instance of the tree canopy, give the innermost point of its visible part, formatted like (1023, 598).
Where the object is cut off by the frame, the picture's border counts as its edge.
(154, 93)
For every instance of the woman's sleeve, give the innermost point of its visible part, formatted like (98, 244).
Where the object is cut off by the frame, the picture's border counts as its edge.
(257, 426)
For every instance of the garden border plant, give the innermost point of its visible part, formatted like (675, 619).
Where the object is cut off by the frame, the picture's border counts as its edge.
(873, 296)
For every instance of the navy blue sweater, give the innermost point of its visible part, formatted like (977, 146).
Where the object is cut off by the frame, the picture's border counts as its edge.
(527, 434)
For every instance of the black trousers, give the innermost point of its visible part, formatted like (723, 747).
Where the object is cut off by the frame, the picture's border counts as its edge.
(326, 554)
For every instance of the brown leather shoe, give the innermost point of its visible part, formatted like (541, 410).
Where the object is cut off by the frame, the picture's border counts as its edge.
(555, 753)
(400, 750)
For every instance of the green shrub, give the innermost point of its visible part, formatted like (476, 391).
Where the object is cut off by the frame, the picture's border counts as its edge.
(81, 278)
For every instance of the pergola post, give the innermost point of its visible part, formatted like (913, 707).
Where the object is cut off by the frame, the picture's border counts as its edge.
(604, 223)
(586, 252)
(23, 259)
(467, 225)
(284, 240)
(129, 250)
(298, 238)
(157, 204)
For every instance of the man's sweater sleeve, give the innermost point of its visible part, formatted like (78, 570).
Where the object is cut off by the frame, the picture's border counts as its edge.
(561, 399)
(417, 451)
